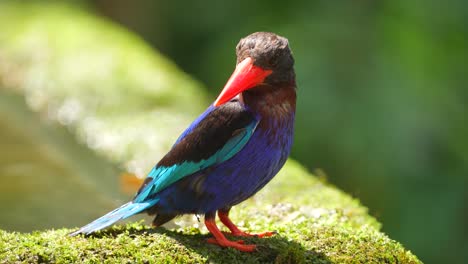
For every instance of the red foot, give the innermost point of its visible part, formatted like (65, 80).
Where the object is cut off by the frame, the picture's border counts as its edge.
(260, 235)
(235, 231)
(220, 239)
(213, 241)
(239, 245)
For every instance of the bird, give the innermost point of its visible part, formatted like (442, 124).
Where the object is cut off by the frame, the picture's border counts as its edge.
(230, 152)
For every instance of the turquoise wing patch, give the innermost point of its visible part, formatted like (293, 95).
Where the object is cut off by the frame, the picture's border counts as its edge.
(165, 176)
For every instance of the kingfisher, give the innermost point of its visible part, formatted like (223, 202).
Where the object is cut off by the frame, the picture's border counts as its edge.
(230, 151)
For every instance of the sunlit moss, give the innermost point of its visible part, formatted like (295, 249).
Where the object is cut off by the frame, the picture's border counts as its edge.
(98, 79)
(304, 236)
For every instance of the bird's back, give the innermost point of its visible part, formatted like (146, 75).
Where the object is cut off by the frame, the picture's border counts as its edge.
(240, 177)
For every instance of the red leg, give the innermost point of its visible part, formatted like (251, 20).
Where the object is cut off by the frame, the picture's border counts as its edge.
(235, 231)
(220, 239)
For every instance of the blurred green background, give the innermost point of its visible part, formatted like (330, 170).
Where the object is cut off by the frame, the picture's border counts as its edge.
(382, 96)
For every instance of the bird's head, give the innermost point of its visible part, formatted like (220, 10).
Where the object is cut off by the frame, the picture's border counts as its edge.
(262, 58)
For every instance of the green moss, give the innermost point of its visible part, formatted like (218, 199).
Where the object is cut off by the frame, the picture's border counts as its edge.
(61, 61)
(315, 222)
(96, 78)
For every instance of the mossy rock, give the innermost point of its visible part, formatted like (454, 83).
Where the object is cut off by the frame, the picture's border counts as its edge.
(57, 64)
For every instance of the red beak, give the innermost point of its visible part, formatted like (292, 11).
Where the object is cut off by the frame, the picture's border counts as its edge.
(244, 77)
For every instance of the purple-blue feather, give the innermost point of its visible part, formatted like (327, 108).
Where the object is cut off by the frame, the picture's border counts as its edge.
(236, 179)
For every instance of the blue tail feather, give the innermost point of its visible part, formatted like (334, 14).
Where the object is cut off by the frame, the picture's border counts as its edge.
(120, 213)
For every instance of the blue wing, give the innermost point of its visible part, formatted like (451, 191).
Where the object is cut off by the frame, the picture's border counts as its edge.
(214, 137)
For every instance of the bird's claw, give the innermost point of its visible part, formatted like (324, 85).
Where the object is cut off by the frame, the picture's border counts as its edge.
(213, 240)
(259, 235)
(239, 245)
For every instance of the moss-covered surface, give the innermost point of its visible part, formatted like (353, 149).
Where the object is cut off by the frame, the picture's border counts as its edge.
(63, 62)
(315, 222)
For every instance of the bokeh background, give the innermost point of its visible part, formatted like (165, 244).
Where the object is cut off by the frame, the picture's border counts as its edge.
(382, 96)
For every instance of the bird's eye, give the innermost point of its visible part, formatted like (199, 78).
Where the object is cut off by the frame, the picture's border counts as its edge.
(273, 61)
